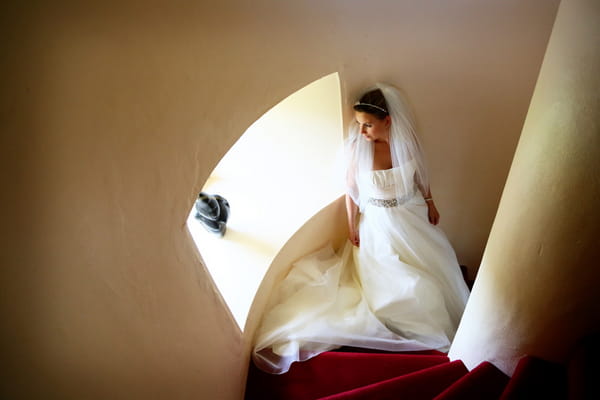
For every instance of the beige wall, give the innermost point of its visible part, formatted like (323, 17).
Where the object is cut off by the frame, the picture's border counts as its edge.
(537, 290)
(113, 115)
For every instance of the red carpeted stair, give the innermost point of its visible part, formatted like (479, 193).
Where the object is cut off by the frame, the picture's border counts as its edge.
(368, 375)
(484, 382)
(335, 372)
(419, 385)
(536, 378)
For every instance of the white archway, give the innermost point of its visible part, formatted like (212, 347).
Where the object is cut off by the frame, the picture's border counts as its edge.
(279, 174)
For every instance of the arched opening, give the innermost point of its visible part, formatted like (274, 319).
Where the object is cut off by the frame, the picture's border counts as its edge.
(275, 177)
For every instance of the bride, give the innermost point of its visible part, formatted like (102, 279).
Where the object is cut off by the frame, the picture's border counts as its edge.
(396, 285)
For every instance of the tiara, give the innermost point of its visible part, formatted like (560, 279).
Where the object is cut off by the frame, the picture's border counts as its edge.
(358, 103)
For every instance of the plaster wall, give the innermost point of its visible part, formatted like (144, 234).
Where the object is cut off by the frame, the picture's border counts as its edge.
(536, 292)
(114, 113)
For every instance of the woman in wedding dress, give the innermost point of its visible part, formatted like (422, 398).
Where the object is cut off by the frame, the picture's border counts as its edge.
(396, 285)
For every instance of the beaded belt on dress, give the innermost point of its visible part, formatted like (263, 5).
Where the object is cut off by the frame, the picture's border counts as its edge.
(388, 203)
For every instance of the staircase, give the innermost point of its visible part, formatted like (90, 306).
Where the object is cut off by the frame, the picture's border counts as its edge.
(353, 374)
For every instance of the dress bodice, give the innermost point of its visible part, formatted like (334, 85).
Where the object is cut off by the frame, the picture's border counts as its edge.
(389, 183)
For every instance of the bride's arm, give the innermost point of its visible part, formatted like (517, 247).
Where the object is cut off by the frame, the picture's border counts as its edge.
(432, 212)
(352, 214)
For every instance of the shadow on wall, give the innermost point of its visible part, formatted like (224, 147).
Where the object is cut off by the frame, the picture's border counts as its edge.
(279, 174)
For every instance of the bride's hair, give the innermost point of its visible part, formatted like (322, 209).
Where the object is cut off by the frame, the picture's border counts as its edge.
(373, 102)
(385, 100)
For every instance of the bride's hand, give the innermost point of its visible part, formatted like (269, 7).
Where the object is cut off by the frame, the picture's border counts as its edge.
(353, 237)
(433, 214)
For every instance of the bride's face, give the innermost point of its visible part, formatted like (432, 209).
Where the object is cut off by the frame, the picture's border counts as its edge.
(372, 128)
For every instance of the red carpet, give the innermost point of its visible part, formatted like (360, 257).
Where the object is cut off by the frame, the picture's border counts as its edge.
(420, 385)
(484, 382)
(334, 372)
(354, 374)
(536, 378)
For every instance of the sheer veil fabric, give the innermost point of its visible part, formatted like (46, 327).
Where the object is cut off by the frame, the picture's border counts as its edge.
(404, 148)
(401, 290)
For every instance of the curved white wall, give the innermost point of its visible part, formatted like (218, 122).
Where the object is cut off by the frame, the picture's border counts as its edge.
(114, 114)
(536, 292)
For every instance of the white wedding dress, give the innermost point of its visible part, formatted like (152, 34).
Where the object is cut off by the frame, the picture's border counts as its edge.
(401, 290)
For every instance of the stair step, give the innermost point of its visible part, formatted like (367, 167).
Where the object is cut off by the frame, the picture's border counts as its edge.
(485, 382)
(334, 372)
(420, 385)
(536, 378)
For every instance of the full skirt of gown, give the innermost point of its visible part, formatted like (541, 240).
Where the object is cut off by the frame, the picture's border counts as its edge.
(401, 290)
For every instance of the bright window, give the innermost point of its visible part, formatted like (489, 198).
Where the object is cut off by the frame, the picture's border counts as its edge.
(279, 174)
